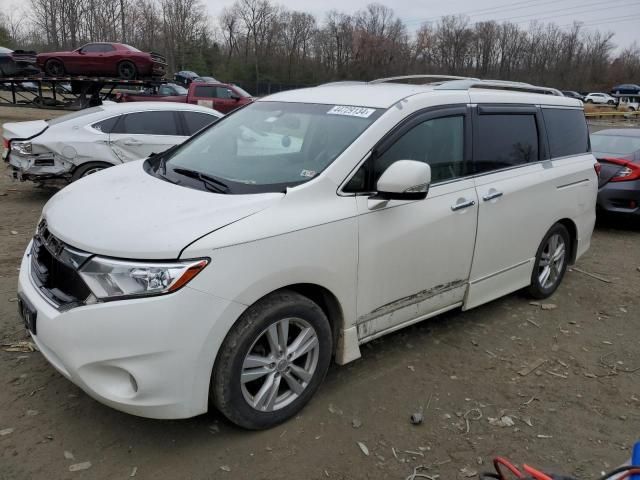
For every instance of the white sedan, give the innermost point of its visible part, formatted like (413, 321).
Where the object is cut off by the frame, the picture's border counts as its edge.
(81, 143)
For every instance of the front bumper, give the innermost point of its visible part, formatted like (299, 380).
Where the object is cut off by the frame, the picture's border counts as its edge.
(620, 198)
(150, 357)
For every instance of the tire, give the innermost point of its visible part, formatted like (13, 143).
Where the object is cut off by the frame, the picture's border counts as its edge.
(54, 68)
(127, 70)
(588, 100)
(87, 169)
(557, 239)
(611, 102)
(252, 404)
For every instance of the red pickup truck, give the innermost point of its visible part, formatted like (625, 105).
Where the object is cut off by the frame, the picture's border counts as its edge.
(223, 97)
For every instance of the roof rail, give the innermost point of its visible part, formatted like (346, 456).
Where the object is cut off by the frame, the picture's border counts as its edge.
(435, 78)
(498, 85)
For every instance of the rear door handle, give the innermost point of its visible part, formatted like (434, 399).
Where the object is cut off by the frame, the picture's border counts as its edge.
(463, 204)
(491, 196)
(132, 142)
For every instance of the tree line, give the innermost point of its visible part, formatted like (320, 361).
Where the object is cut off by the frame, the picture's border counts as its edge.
(255, 42)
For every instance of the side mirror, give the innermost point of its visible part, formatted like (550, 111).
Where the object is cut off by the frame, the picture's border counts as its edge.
(404, 180)
(235, 96)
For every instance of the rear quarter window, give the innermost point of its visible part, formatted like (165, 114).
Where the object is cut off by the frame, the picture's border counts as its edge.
(567, 131)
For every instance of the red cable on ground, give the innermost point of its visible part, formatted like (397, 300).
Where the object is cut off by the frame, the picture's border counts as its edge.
(500, 461)
(538, 475)
(628, 473)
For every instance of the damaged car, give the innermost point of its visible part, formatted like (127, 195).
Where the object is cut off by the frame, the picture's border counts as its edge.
(73, 146)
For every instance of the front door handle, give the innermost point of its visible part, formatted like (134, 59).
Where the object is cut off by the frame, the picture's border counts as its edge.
(463, 204)
(492, 195)
(132, 142)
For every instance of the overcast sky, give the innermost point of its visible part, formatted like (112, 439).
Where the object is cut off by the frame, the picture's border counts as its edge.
(619, 16)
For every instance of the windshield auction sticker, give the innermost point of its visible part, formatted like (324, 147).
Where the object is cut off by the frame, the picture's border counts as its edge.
(361, 112)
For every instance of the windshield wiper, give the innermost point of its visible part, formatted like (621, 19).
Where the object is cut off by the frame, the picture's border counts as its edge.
(211, 183)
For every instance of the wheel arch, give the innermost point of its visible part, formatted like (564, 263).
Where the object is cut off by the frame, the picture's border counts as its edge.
(573, 237)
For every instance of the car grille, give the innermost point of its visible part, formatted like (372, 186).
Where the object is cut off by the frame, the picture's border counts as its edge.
(54, 269)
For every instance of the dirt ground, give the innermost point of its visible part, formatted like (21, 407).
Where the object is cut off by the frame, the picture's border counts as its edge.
(578, 412)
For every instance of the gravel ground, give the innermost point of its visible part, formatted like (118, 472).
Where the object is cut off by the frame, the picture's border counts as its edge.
(578, 412)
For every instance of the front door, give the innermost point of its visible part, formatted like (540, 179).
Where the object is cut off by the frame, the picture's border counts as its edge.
(415, 256)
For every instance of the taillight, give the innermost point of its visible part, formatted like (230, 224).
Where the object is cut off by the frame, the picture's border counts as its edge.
(598, 168)
(5, 143)
(629, 171)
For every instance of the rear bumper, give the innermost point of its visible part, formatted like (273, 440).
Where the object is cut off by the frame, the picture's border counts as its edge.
(38, 168)
(620, 198)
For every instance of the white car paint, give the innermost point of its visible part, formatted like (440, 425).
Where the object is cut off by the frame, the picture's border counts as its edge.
(62, 145)
(387, 264)
(599, 98)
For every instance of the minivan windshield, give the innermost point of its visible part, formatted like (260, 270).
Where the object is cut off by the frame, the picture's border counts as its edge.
(266, 146)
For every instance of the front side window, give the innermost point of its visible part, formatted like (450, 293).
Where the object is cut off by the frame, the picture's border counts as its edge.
(438, 142)
(567, 131)
(505, 140)
(147, 123)
(91, 48)
(197, 121)
(223, 92)
(268, 146)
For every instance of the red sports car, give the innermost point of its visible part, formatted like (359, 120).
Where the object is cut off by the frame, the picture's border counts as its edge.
(103, 59)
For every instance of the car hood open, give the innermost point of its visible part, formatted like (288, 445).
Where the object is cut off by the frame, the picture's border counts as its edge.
(124, 212)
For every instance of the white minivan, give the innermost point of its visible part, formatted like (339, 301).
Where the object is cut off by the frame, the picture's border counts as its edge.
(231, 270)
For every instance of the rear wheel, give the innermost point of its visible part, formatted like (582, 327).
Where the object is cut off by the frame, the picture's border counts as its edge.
(551, 262)
(272, 361)
(127, 70)
(54, 68)
(88, 169)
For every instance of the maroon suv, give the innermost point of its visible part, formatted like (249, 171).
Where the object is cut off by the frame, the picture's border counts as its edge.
(103, 59)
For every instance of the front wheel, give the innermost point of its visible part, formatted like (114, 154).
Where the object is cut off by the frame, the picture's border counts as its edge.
(551, 262)
(588, 100)
(54, 68)
(272, 361)
(611, 102)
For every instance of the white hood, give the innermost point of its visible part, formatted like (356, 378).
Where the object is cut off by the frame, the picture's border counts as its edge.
(23, 129)
(125, 212)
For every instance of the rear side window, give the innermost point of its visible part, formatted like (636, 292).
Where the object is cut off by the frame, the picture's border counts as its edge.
(567, 131)
(197, 121)
(106, 126)
(148, 123)
(505, 140)
(207, 91)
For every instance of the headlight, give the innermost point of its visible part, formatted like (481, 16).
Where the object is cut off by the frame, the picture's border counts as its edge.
(110, 279)
(23, 148)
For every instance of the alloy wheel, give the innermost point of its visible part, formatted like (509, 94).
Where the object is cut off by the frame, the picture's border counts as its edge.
(280, 364)
(551, 261)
